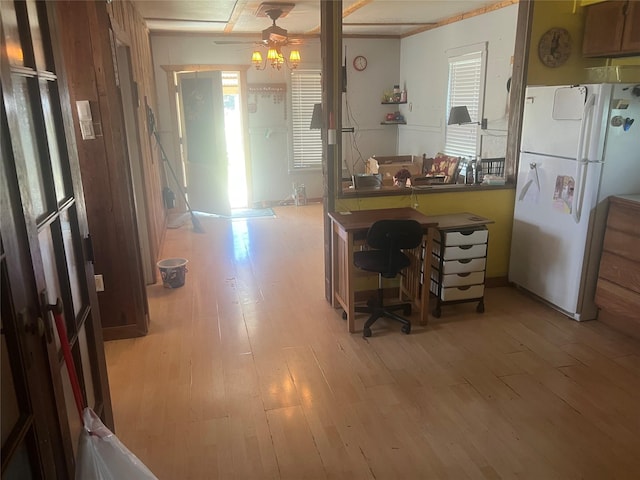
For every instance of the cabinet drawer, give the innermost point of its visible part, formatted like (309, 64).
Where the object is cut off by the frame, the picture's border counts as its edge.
(625, 218)
(461, 293)
(462, 279)
(616, 299)
(465, 237)
(461, 266)
(622, 244)
(620, 270)
(463, 251)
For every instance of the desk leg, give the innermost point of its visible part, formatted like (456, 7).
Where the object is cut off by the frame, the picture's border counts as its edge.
(351, 294)
(426, 283)
(343, 273)
(335, 238)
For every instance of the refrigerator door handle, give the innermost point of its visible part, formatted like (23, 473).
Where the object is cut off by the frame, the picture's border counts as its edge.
(586, 122)
(578, 194)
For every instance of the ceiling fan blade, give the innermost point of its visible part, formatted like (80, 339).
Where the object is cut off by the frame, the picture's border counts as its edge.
(235, 42)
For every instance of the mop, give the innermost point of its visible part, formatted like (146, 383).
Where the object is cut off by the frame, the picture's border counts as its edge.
(151, 124)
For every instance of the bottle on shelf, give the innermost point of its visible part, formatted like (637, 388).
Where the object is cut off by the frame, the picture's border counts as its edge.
(396, 93)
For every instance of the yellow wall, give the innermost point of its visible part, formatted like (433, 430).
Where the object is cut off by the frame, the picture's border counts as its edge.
(568, 14)
(494, 204)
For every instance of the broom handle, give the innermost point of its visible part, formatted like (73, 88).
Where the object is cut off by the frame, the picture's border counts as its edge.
(68, 358)
(166, 160)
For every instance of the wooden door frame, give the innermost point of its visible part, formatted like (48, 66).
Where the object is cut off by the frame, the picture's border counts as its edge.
(129, 93)
(171, 71)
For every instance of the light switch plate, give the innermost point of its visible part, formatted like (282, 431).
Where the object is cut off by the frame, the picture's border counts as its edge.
(99, 283)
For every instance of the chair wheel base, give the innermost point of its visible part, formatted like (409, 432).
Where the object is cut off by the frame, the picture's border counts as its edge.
(406, 329)
(366, 332)
(344, 315)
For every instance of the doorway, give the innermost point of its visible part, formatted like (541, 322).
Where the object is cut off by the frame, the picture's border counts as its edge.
(211, 117)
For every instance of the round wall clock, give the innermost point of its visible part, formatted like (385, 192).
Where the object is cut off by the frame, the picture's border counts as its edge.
(554, 47)
(360, 63)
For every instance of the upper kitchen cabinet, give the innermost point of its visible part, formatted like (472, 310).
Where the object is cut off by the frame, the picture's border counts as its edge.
(612, 29)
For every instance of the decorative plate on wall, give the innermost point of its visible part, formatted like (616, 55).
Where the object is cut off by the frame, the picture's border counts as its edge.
(554, 47)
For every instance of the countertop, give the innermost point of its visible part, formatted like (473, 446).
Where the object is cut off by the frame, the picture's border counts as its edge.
(630, 198)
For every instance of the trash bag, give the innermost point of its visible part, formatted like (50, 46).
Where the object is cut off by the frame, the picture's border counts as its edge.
(101, 456)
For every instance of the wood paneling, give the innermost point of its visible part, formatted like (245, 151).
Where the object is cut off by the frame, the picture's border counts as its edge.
(129, 28)
(105, 169)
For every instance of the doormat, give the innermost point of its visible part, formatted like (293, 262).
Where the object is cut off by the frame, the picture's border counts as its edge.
(252, 213)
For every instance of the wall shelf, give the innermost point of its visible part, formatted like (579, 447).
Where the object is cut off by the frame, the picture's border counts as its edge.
(393, 103)
(393, 122)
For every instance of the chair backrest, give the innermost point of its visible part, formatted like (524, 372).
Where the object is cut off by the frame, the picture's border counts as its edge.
(394, 234)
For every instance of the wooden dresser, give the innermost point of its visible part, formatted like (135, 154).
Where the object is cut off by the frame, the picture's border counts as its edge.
(618, 290)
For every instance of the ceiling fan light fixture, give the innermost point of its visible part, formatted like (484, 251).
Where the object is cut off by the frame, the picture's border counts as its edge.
(294, 58)
(274, 38)
(256, 58)
(272, 54)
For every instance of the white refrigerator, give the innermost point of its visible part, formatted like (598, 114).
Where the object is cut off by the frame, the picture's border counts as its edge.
(580, 144)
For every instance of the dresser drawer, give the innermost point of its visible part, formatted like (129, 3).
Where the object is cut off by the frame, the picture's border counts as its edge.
(461, 293)
(461, 279)
(465, 237)
(463, 251)
(461, 266)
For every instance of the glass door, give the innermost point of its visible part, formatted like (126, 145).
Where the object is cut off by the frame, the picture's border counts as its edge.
(45, 256)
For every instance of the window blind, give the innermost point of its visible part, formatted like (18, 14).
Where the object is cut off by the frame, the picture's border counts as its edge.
(465, 82)
(306, 90)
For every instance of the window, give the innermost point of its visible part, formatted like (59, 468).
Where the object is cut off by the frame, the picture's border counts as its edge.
(466, 87)
(306, 90)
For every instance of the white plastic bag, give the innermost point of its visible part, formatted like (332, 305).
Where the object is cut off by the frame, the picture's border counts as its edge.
(101, 456)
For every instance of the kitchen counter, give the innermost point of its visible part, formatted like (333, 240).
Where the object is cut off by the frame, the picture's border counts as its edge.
(629, 198)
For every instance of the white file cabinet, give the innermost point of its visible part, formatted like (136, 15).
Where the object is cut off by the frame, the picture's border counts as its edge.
(459, 260)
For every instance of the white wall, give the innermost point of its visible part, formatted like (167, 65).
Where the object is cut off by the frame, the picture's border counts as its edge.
(270, 147)
(270, 139)
(424, 71)
(361, 104)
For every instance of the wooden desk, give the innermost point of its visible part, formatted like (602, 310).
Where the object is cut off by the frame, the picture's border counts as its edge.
(351, 227)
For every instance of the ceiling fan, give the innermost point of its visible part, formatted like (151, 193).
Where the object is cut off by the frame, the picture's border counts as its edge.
(273, 35)
(276, 34)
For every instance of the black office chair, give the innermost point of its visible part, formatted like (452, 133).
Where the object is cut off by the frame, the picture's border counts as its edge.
(386, 239)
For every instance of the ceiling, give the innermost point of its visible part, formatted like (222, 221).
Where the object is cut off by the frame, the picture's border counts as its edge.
(228, 18)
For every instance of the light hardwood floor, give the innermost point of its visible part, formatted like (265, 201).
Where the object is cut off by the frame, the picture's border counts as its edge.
(248, 373)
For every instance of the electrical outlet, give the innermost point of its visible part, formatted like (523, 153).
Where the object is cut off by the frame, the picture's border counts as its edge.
(99, 283)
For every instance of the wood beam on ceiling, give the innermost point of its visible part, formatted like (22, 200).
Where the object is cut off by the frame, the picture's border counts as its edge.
(463, 16)
(347, 11)
(235, 15)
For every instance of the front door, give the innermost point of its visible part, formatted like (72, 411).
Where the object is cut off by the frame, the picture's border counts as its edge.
(202, 114)
(45, 255)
